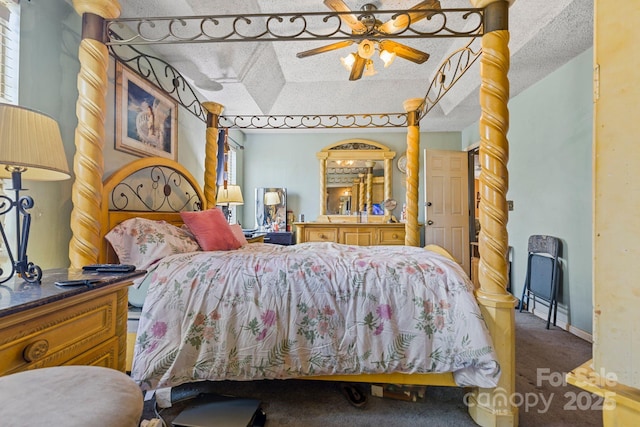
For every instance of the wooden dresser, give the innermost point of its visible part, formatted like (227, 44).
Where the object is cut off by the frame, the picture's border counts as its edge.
(361, 234)
(48, 325)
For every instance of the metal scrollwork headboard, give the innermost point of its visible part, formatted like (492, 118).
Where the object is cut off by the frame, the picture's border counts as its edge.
(155, 189)
(152, 187)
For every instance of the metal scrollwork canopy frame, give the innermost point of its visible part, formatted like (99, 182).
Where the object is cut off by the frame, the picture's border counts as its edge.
(443, 23)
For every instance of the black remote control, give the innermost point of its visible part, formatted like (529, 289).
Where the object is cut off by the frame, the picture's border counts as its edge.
(110, 268)
(81, 282)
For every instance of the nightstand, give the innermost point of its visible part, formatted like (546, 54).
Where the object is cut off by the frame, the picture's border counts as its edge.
(284, 238)
(49, 325)
(256, 238)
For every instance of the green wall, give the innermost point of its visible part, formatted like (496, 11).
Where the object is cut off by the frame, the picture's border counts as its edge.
(289, 160)
(550, 179)
(50, 36)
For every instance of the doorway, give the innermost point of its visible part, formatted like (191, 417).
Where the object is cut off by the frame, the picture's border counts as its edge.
(474, 218)
(446, 203)
(474, 193)
(474, 205)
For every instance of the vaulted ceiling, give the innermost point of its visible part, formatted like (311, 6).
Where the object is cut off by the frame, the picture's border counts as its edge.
(267, 77)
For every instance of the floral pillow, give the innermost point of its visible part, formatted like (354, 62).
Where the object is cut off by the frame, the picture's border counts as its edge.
(142, 242)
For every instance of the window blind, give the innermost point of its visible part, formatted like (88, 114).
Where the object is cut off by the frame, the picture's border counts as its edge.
(9, 50)
(9, 60)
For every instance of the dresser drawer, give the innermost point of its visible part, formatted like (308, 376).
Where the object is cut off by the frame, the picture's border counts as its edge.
(357, 237)
(58, 336)
(391, 236)
(321, 235)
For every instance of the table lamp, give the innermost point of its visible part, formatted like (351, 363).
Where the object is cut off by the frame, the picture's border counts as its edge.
(229, 196)
(31, 148)
(271, 199)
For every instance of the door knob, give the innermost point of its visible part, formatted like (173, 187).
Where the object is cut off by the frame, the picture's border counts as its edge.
(429, 222)
(428, 203)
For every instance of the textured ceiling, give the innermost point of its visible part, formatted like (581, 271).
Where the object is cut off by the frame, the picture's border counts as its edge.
(268, 78)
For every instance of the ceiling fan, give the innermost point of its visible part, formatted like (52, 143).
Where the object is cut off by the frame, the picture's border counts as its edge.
(360, 63)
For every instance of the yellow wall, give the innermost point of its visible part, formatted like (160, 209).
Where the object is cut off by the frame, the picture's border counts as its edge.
(616, 269)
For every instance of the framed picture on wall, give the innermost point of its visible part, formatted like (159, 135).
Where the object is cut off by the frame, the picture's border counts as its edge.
(146, 117)
(271, 209)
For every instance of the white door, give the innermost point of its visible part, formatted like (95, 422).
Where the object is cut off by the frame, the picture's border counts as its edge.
(447, 203)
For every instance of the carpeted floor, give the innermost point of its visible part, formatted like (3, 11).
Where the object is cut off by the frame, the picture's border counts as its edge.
(542, 358)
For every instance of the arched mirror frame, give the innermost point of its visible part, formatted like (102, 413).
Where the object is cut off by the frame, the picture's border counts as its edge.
(355, 149)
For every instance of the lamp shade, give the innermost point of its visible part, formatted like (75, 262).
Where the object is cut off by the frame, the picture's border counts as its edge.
(30, 141)
(387, 57)
(229, 196)
(369, 70)
(271, 198)
(348, 61)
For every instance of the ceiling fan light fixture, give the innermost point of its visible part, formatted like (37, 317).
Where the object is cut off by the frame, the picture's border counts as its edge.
(348, 61)
(387, 57)
(360, 63)
(366, 49)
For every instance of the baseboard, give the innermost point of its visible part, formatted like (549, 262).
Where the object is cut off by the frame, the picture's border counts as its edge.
(562, 321)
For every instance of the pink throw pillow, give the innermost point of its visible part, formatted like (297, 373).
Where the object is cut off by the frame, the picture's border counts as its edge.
(239, 234)
(211, 229)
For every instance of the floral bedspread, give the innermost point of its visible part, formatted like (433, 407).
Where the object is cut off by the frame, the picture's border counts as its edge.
(268, 311)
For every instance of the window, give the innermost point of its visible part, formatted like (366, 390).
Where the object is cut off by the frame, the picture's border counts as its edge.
(231, 178)
(9, 50)
(227, 169)
(9, 60)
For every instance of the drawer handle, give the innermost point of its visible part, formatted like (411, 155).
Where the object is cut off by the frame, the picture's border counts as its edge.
(394, 236)
(35, 350)
(322, 236)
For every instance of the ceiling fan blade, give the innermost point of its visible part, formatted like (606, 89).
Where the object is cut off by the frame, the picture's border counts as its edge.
(358, 68)
(323, 49)
(404, 51)
(413, 15)
(351, 20)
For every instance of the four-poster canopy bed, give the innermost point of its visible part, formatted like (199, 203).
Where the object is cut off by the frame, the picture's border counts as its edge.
(489, 406)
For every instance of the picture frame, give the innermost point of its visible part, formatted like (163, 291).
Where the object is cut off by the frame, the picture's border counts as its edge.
(146, 117)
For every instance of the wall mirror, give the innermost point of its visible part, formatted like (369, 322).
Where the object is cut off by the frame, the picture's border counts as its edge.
(355, 177)
(271, 209)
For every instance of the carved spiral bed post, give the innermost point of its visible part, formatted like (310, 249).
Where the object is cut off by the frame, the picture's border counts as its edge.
(88, 162)
(494, 407)
(388, 184)
(214, 110)
(369, 191)
(361, 193)
(412, 230)
(322, 158)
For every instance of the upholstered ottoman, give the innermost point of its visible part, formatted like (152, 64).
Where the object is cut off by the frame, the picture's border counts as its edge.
(69, 396)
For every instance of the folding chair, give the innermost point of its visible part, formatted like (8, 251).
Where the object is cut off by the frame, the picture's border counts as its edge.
(543, 273)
